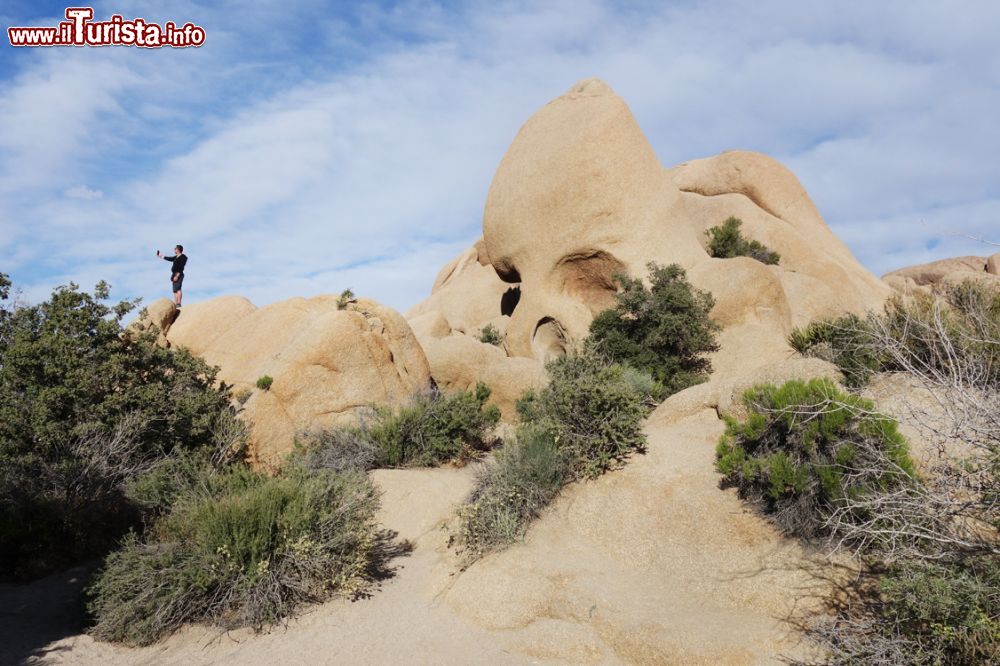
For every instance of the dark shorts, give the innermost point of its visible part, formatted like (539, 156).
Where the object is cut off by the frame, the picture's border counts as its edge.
(177, 284)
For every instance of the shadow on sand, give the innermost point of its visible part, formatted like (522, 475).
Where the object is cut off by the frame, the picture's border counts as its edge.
(34, 615)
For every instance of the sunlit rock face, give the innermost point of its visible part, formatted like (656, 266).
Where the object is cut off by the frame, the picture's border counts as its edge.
(580, 196)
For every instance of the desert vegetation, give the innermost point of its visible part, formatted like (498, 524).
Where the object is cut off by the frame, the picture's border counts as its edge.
(929, 336)
(490, 335)
(430, 429)
(346, 298)
(808, 454)
(727, 241)
(234, 547)
(238, 548)
(588, 419)
(85, 407)
(663, 330)
(111, 444)
(824, 463)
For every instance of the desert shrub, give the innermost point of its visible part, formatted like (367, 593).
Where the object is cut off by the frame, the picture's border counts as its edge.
(239, 548)
(432, 428)
(847, 342)
(264, 382)
(806, 451)
(645, 385)
(952, 610)
(490, 335)
(957, 328)
(955, 331)
(727, 241)
(587, 420)
(527, 474)
(921, 612)
(932, 595)
(84, 407)
(346, 298)
(664, 331)
(592, 411)
(155, 490)
(342, 449)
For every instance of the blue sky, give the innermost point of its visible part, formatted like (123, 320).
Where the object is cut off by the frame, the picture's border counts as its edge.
(310, 146)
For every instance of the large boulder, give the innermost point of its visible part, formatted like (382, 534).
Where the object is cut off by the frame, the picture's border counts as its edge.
(459, 362)
(156, 317)
(817, 272)
(924, 277)
(468, 296)
(467, 292)
(580, 196)
(993, 264)
(202, 323)
(326, 363)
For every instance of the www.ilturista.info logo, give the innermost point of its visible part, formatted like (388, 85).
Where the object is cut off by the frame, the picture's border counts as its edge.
(80, 30)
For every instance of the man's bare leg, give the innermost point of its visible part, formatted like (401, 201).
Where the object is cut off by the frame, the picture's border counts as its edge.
(178, 295)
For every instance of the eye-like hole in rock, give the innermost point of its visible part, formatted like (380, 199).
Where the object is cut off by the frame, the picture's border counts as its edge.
(506, 269)
(588, 276)
(509, 300)
(549, 340)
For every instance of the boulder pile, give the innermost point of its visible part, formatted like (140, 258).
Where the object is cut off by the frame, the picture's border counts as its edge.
(326, 363)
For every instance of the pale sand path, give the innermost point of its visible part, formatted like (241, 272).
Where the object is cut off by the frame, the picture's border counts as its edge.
(649, 564)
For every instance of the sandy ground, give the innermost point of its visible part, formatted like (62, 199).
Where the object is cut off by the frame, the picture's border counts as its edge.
(649, 564)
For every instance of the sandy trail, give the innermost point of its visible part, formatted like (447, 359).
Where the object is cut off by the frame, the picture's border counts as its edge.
(649, 564)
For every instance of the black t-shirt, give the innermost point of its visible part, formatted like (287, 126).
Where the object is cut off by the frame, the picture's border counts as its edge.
(179, 261)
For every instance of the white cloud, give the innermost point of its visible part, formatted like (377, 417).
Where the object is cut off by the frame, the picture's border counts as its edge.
(83, 192)
(48, 113)
(364, 160)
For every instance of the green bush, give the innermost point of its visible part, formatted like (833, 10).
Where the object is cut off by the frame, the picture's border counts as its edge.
(432, 428)
(239, 549)
(84, 407)
(588, 419)
(848, 342)
(806, 447)
(950, 609)
(644, 384)
(490, 335)
(727, 241)
(926, 613)
(953, 331)
(527, 474)
(932, 595)
(264, 382)
(342, 449)
(664, 331)
(346, 298)
(593, 412)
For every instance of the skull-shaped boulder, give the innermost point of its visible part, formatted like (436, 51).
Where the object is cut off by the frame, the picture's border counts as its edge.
(580, 196)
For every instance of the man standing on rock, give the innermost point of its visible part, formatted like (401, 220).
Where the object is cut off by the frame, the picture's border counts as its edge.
(176, 271)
